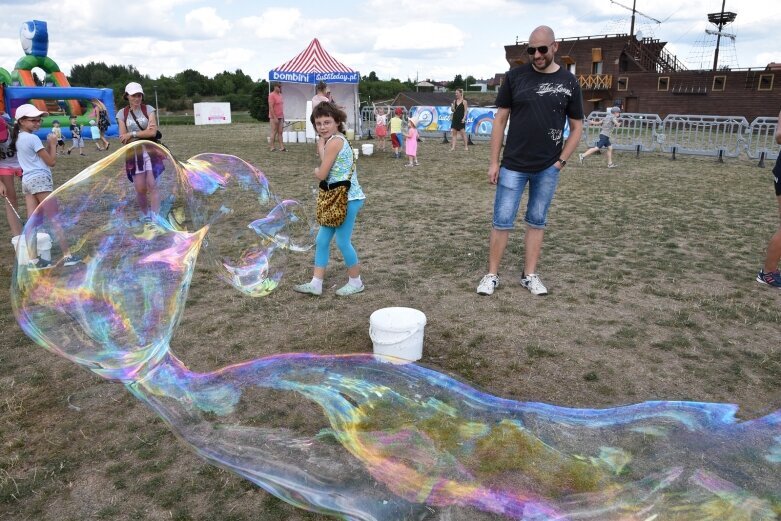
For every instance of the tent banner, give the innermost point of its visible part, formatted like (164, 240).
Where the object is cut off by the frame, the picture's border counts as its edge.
(314, 77)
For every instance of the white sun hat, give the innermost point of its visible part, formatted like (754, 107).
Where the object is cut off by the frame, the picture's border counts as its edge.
(29, 111)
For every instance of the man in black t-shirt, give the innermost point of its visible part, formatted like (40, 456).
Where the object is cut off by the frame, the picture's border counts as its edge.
(537, 98)
(769, 273)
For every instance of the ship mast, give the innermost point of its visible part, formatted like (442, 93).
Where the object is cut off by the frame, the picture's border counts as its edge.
(720, 20)
(634, 10)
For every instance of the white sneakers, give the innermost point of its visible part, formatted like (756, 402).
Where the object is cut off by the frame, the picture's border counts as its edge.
(533, 283)
(488, 284)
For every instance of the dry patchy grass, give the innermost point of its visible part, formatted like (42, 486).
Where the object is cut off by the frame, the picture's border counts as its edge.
(650, 268)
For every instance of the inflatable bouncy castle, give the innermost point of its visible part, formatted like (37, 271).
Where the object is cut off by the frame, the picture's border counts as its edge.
(56, 96)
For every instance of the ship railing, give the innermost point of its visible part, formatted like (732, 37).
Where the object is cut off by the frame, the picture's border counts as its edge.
(595, 81)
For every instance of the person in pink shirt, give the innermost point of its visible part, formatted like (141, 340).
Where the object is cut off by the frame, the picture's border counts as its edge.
(411, 141)
(276, 115)
(321, 95)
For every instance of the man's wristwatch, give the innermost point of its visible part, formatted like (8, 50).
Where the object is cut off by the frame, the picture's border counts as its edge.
(134, 133)
(563, 162)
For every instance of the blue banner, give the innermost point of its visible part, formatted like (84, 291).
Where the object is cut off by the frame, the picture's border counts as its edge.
(314, 77)
(480, 121)
(437, 119)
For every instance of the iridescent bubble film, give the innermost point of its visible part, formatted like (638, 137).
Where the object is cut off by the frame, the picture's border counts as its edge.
(354, 436)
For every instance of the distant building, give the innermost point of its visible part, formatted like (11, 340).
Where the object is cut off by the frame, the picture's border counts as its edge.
(642, 76)
(441, 99)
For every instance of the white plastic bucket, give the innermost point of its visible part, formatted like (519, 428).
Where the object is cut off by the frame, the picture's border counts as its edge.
(349, 134)
(285, 137)
(367, 149)
(302, 136)
(43, 244)
(355, 153)
(398, 332)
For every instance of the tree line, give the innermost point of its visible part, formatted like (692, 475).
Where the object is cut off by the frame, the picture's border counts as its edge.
(178, 92)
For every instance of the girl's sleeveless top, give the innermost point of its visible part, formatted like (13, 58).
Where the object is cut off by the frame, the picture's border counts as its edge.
(340, 170)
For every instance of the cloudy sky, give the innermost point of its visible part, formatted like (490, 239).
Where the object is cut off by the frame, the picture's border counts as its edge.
(434, 39)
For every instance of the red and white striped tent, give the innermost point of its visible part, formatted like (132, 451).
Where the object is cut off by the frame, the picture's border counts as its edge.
(301, 74)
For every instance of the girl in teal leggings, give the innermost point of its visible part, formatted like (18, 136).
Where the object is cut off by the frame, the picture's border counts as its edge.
(336, 164)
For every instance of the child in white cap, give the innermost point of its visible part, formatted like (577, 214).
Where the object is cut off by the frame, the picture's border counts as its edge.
(36, 161)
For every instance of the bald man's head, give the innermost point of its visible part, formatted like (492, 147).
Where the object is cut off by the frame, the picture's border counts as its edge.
(543, 32)
(543, 39)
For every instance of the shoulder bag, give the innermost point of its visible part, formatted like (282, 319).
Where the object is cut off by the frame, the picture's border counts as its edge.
(332, 201)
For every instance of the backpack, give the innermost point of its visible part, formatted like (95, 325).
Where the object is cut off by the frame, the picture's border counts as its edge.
(126, 112)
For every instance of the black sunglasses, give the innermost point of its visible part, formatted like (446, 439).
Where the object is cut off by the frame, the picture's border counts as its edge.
(542, 48)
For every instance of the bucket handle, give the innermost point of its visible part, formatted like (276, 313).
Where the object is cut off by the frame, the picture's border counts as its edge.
(410, 334)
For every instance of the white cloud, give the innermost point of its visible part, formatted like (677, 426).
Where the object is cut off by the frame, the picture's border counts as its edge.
(205, 21)
(228, 59)
(274, 23)
(420, 36)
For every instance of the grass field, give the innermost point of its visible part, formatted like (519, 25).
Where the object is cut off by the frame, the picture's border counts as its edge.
(650, 268)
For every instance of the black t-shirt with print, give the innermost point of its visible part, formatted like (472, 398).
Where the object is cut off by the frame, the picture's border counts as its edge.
(539, 104)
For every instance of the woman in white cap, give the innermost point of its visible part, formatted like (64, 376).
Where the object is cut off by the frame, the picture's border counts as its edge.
(36, 161)
(143, 165)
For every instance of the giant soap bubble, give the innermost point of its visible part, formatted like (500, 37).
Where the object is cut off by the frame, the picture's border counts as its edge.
(355, 436)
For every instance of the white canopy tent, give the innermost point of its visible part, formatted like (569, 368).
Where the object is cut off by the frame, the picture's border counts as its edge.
(300, 75)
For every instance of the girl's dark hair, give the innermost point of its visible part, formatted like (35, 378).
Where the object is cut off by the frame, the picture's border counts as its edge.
(14, 135)
(327, 108)
(321, 86)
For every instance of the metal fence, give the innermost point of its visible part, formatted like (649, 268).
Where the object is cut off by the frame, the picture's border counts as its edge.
(717, 136)
(760, 140)
(637, 132)
(684, 134)
(369, 121)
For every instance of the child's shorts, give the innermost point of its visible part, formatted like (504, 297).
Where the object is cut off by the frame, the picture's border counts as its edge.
(37, 182)
(60, 143)
(11, 171)
(78, 142)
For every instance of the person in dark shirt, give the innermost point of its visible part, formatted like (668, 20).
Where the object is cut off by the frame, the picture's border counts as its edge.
(769, 273)
(537, 98)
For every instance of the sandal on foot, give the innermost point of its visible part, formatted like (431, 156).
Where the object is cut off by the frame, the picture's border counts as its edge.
(308, 289)
(349, 289)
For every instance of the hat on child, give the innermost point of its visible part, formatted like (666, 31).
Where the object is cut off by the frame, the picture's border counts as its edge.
(399, 111)
(92, 122)
(29, 111)
(414, 120)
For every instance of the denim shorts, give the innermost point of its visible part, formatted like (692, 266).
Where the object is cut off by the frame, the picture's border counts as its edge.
(509, 189)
